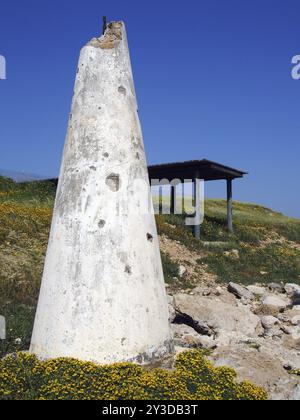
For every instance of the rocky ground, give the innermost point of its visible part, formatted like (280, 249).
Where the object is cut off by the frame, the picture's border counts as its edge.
(254, 329)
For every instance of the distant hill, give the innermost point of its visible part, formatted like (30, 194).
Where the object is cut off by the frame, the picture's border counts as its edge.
(21, 176)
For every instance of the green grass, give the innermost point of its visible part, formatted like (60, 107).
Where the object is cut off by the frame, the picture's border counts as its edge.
(170, 268)
(274, 264)
(253, 222)
(25, 217)
(37, 193)
(253, 226)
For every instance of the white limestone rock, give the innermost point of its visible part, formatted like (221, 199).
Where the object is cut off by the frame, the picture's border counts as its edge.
(262, 368)
(276, 287)
(291, 288)
(240, 291)
(228, 322)
(257, 290)
(181, 271)
(295, 320)
(269, 322)
(275, 301)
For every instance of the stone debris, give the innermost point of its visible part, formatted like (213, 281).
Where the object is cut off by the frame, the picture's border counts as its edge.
(269, 322)
(296, 299)
(291, 288)
(256, 333)
(257, 290)
(275, 301)
(233, 254)
(295, 320)
(181, 271)
(276, 287)
(240, 291)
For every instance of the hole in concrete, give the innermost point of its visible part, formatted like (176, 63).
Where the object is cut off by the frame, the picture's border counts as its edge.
(149, 237)
(185, 319)
(122, 90)
(106, 155)
(93, 168)
(128, 269)
(113, 182)
(101, 223)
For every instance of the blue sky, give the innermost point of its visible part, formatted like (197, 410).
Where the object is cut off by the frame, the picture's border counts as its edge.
(213, 80)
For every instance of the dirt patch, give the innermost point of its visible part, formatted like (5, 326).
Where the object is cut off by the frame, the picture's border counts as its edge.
(179, 253)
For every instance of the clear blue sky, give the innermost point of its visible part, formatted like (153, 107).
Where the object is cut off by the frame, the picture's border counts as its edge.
(212, 78)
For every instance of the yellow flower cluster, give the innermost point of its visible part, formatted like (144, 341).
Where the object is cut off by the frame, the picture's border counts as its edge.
(24, 229)
(19, 214)
(23, 376)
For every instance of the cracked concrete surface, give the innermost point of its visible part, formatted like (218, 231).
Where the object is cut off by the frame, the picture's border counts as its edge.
(96, 288)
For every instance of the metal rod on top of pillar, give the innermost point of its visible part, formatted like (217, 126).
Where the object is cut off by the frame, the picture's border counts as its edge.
(229, 205)
(104, 26)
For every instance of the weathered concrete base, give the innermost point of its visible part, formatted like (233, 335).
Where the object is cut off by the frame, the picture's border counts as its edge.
(154, 356)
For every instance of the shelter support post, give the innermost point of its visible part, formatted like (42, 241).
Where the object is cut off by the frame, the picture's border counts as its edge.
(196, 199)
(160, 201)
(173, 199)
(229, 205)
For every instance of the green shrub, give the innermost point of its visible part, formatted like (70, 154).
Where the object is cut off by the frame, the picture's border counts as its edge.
(23, 377)
(170, 268)
(6, 184)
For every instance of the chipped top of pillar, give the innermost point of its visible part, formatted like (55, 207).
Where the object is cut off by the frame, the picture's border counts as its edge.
(111, 37)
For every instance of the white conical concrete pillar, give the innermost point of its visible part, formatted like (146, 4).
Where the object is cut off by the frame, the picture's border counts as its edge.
(103, 296)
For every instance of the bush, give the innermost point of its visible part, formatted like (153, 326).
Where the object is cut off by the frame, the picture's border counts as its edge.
(6, 184)
(171, 268)
(23, 377)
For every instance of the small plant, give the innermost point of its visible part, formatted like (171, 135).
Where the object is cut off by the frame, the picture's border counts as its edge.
(171, 269)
